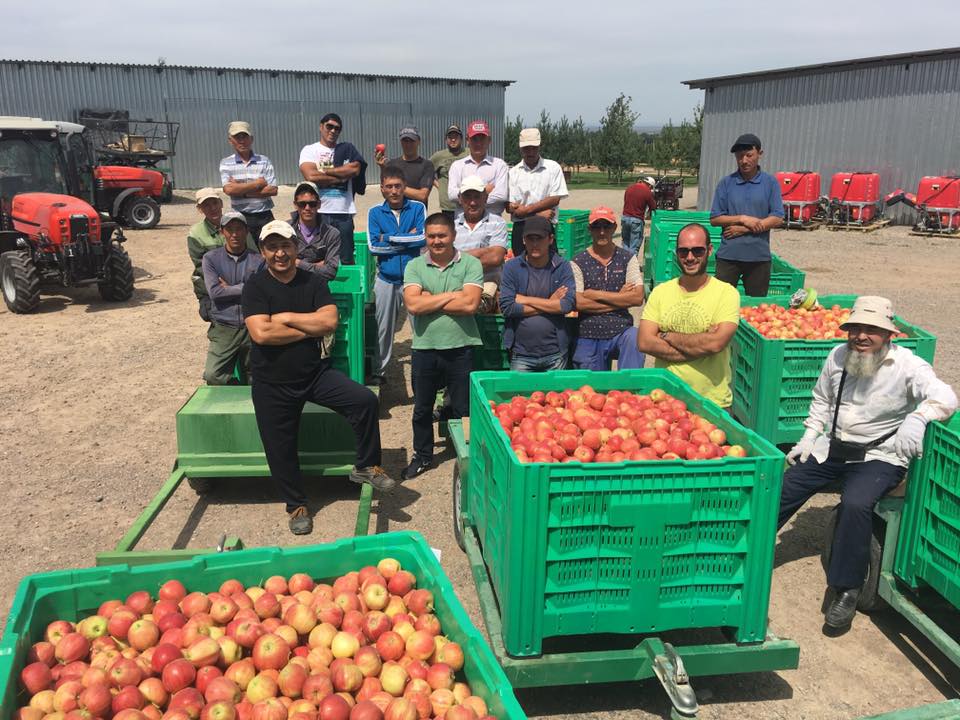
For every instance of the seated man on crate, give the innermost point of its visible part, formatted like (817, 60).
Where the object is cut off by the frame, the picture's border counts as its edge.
(608, 283)
(536, 293)
(688, 322)
(867, 419)
(292, 317)
(484, 236)
(318, 242)
(225, 270)
(441, 290)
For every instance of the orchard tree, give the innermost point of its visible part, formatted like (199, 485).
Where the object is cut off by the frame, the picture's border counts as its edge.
(617, 145)
(511, 140)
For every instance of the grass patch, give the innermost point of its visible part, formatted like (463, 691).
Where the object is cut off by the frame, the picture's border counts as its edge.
(598, 181)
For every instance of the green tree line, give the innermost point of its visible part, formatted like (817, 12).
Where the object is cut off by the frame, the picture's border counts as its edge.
(616, 147)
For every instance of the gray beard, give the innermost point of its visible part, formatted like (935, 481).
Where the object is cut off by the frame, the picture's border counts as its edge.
(864, 365)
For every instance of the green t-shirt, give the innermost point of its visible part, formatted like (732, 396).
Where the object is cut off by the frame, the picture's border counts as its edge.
(676, 310)
(442, 160)
(440, 331)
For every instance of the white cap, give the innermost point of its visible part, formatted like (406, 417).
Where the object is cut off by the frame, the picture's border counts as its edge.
(872, 310)
(237, 127)
(529, 136)
(207, 193)
(277, 227)
(473, 182)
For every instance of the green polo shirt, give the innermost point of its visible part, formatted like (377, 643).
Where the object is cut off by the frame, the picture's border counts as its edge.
(440, 331)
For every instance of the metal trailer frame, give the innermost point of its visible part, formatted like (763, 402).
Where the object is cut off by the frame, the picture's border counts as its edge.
(672, 665)
(248, 464)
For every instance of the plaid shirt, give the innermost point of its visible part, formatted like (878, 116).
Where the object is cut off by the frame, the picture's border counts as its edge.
(234, 168)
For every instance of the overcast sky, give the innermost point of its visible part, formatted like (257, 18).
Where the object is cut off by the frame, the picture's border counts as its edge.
(569, 57)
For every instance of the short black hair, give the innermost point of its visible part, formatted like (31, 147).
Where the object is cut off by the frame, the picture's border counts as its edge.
(438, 218)
(392, 171)
(331, 116)
(698, 226)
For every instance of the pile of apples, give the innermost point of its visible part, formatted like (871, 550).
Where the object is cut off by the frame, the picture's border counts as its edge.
(589, 427)
(781, 323)
(367, 647)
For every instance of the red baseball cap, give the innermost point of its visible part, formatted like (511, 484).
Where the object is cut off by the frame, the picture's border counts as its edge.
(478, 127)
(602, 213)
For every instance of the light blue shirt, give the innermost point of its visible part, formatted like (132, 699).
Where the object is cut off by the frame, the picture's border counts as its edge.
(758, 197)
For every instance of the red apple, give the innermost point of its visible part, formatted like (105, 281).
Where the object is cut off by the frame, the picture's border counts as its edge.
(241, 672)
(261, 687)
(451, 654)
(401, 709)
(391, 646)
(333, 707)
(96, 700)
(316, 688)
(270, 651)
(153, 691)
(394, 678)
(380, 148)
(368, 660)
(128, 697)
(195, 602)
(440, 675)
(346, 678)
(72, 646)
(36, 677)
(125, 671)
(172, 590)
(143, 634)
(178, 674)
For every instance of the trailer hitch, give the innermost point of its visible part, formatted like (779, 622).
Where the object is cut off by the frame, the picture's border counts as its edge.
(668, 666)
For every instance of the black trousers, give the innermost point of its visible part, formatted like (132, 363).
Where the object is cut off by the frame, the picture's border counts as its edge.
(864, 483)
(278, 409)
(344, 224)
(755, 275)
(430, 371)
(516, 238)
(255, 223)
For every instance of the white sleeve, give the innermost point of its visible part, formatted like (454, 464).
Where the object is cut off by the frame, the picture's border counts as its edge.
(819, 417)
(634, 274)
(577, 276)
(306, 155)
(559, 186)
(937, 399)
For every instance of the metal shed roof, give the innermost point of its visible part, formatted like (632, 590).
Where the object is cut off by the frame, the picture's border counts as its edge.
(837, 66)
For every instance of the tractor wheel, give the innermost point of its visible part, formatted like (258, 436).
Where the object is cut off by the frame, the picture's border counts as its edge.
(869, 594)
(20, 282)
(141, 213)
(118, 283)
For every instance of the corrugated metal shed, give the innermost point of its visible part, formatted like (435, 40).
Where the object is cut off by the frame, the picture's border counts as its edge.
(898, 115)
(284, 106)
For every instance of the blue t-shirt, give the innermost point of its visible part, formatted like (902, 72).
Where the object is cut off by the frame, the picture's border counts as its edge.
(537, 334)
(758, 197)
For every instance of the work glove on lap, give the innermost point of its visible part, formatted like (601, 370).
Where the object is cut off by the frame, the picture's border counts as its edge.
(803, 448)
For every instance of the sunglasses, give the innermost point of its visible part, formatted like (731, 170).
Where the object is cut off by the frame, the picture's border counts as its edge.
(332, 127)
(697, 252)
(307, 203)
(601, 225)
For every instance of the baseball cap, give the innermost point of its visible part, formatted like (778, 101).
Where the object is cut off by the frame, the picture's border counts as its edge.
(454, 128)
(747, 140)
(239, 126)
(232, 215)
(411, 132)
(306, 185)
(473, 182)
(537, 225)
(207, 193)
(478, 127)
(602, 212)
(649, 181)
(277, 227)
(529, 136)
(872, 310)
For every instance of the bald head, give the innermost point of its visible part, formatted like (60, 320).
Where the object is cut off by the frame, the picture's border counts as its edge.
(694, 232)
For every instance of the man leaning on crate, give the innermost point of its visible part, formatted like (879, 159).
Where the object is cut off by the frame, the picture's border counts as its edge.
(870, 409)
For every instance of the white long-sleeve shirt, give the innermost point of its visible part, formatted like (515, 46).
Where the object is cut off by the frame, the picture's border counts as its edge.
(873, 406)
(492, 170)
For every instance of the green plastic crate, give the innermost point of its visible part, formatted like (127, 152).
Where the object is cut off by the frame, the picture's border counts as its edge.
(72, 594)
(949, 710)
(573, 232)
(631, 547)
(347, 352)
(659, 253)
(363, 259)
(491, 355)
(773, 379)
(928, 548)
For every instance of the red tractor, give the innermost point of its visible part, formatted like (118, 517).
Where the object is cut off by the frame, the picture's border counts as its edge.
(50, 231)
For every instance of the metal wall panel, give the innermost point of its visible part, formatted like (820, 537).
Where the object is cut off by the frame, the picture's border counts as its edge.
(284, 107)
(901, 121)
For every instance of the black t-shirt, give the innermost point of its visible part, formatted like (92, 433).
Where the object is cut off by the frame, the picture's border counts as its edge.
(263, 294)
(418, 174)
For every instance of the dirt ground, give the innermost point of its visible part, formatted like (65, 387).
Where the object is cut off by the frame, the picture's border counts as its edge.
(90, 391)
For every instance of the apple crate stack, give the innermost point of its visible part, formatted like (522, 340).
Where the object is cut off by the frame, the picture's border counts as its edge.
(773, 378)
(361, 628)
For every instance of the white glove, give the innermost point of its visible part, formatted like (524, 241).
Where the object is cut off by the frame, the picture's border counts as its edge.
(908, 442)
(803, 448)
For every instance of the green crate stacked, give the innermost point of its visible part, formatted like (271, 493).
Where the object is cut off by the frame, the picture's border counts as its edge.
(631, 547)
(773, 379)
(363, 259)
(928, 548)
(490, 355)
(347, 290)
(573, 232)
(74, 594)
(659, 253)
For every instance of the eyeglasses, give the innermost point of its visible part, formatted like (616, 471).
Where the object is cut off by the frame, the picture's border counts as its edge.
(697, 252)
(307, 203)
(332, 127)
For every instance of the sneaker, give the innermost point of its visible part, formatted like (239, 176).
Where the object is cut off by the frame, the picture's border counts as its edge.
(300, 521)
(373, 475)
(417, 466)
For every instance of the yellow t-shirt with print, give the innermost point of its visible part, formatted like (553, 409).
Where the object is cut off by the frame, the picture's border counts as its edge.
(676, 310)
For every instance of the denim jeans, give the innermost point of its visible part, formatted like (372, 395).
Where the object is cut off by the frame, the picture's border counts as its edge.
(529, 363)
(430, 371)
(631, 230)
(343, 223)
(591, 354)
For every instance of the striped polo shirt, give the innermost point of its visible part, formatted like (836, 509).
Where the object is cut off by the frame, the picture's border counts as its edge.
(234, 168)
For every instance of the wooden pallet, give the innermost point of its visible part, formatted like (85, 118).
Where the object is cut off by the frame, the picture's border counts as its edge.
(815, 225)
(930, 233)
(862, 228)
